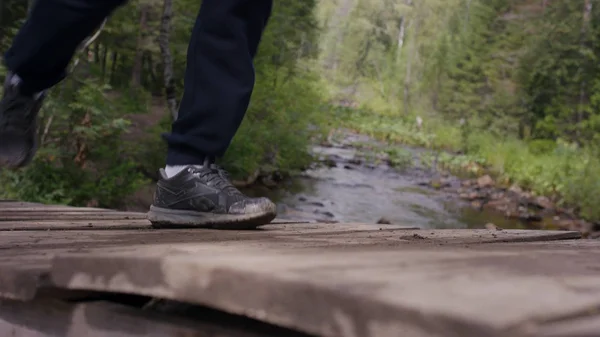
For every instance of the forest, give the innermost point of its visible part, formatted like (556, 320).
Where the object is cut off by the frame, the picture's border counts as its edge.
(506, 87)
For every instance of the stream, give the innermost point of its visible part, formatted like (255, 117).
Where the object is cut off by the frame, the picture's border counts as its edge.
(357, 186)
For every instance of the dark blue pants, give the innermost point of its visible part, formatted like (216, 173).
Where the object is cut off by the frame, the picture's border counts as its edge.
(219, 77)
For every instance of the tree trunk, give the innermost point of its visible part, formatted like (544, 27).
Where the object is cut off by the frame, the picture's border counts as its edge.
(467, 15)
(1, 21)
(136, 73)
(163, 41)
(113, 66)
(544, 5)
(401, 33)
(402, 29)
(587, 12)
(149, 62)
(343, 10)
(96, 52)
(408, 75)
(103, 61)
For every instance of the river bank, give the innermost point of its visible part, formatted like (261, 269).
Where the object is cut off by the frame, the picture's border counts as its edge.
(528, 173)
(512, 202)
(357, 179)
(373, 182)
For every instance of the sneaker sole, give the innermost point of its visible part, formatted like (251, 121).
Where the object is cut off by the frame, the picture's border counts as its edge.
(15, 158)
(173, 218)
(15, 151)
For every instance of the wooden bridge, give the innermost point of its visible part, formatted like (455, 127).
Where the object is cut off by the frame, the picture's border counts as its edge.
(74, 272)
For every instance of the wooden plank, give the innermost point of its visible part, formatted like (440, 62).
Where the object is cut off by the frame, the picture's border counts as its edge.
(47, 225)
(70, 215)
(348, 233)
(63, 218)
(358, 291)
(25, 255)
(82, 210)
(586, 326)
(50, 318)
(95, 224)
(20, 244)
(278, 221)
(14, 203)
(330, 279)
(281, 227)
(7, 205)
(51, 209)
(298, 235)
(22, 280)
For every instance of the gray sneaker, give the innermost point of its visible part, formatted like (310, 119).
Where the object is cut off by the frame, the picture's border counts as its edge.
(18, 123)
(204, 197)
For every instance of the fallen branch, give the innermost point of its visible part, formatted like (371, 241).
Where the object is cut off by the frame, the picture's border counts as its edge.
(47, 129)
(163, 42)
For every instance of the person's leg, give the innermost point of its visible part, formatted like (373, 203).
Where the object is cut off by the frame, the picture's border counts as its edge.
(219, 78)
(218, 84)
(36, 61)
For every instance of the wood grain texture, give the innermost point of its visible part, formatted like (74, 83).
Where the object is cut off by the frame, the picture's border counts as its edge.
(330, 280)
(52, 318)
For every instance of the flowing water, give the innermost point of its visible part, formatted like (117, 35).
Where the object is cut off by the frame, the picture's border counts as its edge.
(352, 189)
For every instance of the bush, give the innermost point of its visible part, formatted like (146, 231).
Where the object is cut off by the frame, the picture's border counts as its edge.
(81, 160)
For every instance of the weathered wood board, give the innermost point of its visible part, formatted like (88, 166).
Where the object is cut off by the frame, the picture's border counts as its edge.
(353, 291)
(68, 215)
(331, 280)
(33, 216)
(52, 318)
(585, 326)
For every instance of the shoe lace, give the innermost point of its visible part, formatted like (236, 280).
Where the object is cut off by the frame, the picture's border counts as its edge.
(216, 176)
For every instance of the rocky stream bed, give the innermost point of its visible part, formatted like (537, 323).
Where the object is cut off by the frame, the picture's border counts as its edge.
(355, 180)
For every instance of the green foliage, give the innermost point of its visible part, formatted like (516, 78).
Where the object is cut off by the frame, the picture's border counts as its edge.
(90, 152)
(513, 85)
(398, 129)
(541, 146)
(567, 172)
(399, 157)
(80, 161)
(560, 73)
(276, 132)
(265, 139)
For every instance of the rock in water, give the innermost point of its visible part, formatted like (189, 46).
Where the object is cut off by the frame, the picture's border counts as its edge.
(543, 203)
(490, 226)
(485, 181)
(516, 189)
(439, 183)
